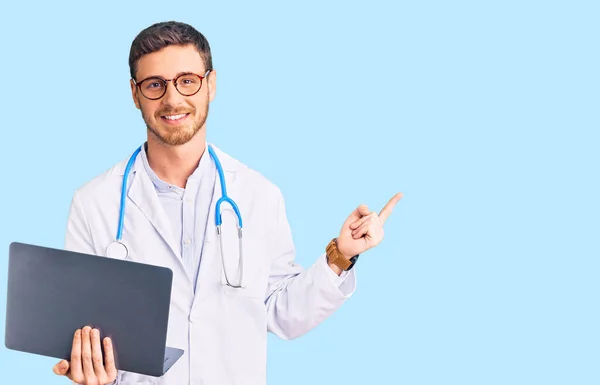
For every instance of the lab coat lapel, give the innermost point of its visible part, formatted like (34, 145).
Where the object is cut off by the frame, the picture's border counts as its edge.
(143, 194)
(211, 258)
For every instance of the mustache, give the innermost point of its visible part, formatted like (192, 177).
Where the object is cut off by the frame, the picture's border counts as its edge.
(175, 111)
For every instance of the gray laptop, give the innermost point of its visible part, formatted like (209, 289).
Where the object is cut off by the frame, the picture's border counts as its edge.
(53, 292)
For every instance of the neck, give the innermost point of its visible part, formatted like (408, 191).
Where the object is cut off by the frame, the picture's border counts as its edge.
(175, 164)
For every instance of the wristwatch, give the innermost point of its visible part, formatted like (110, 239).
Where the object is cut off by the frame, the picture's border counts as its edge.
(335, 257)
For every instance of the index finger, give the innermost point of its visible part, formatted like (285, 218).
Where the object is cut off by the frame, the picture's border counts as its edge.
(387, 209)
(76, 369)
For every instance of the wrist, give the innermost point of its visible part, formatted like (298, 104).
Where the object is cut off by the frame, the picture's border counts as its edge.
(339, 262)
(335, 268)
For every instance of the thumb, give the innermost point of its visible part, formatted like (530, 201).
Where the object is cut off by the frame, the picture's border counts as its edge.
(61, 368)
(358, 213)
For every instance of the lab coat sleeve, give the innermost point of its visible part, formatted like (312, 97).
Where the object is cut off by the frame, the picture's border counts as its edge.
(78, 236)
(300, 299)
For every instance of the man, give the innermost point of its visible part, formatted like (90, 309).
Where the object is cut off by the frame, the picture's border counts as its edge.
(172, 191)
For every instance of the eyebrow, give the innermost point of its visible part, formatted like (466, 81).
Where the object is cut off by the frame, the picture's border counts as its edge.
(174, 77)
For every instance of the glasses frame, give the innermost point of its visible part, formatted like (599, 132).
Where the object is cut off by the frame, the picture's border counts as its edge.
(174, 81)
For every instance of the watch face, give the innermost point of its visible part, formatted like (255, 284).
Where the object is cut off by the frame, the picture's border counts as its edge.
(353, 261)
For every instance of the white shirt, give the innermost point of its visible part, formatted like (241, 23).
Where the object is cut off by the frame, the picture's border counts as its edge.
(187, 209)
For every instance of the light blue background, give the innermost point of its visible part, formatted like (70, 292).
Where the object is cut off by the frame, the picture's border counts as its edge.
(484, 114)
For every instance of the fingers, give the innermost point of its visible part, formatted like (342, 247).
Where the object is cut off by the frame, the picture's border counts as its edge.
(86, 354)
(362, 220)
(76, 369)
(369, 224)
(61, 368)
(362, 214)
(361, 230)
(97, 354)
(358, 213)
(370, 231)
(387, 209)
(86, 364)
(363, 210)
(109, 359)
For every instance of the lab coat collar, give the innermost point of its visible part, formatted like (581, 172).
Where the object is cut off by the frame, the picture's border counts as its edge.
(227, 162)
(142, 194)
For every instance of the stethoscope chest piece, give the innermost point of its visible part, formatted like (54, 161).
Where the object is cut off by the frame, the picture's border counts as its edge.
(117, 250)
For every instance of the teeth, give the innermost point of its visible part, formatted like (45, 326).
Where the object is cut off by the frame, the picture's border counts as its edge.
(174, 117)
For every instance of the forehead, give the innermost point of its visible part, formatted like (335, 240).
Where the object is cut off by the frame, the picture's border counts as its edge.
(170, 61)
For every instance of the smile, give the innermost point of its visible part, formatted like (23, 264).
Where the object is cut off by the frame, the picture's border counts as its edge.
(174, 118)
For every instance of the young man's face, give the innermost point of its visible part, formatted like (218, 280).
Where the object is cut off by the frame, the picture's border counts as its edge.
(173, 118)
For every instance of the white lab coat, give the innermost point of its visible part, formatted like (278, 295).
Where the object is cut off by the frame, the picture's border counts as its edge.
(222, 330)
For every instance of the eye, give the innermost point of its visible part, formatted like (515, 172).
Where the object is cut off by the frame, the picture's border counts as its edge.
(152, 84)
(188, 80)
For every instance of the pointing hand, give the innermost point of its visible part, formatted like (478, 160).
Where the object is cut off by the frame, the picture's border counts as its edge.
(363, 229)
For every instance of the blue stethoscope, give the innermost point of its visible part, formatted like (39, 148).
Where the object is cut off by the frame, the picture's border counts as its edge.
(119, 250)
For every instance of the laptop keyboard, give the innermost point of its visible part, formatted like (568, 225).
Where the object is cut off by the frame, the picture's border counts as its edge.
(166, 359)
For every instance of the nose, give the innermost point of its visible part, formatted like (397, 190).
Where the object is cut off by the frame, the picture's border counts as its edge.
(172, 97)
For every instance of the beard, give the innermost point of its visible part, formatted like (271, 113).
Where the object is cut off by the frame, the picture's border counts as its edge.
(176, 135)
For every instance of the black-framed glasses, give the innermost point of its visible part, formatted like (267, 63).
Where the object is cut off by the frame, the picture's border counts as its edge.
(186, 84)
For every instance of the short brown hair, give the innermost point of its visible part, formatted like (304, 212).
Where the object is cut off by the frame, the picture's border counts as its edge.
(160, 35)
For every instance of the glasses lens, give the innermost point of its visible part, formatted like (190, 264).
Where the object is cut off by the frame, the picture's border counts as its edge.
(153, 88)
(188, 84)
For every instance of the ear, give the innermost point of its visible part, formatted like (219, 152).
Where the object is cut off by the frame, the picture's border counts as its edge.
(212, 84)
(134, 93)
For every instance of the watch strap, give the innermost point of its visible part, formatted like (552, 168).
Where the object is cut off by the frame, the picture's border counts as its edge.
(335, 257)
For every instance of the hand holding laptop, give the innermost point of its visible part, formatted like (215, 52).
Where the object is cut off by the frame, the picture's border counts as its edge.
(53, 292)
(87, 365)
